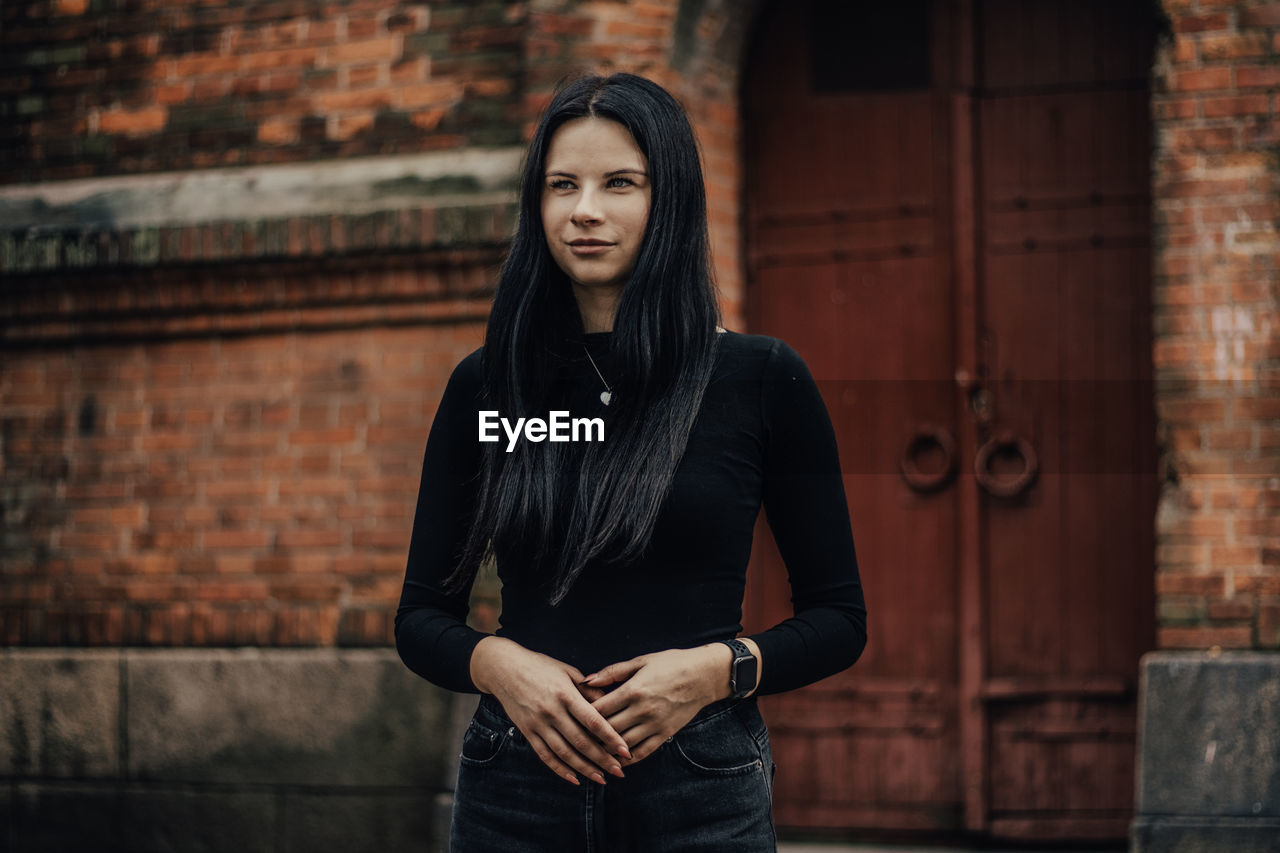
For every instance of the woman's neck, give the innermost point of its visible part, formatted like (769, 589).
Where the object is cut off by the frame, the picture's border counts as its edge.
(598, 306)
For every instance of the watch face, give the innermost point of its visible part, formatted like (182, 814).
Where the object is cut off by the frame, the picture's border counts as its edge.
(744, 675)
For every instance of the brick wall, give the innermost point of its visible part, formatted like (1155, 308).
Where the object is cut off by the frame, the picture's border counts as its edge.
(91, 92)
(1217, 352)
(241, 489)
(212, 413)
(94, 88)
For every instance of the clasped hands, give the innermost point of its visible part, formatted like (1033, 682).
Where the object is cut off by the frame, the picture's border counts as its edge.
(599, 723)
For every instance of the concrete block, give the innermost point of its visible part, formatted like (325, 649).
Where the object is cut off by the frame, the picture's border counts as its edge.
(1209, 737)
(59, 713)
(357, 823)
(198, 821)
(316, 717)
(1208, 752)
(67, 816)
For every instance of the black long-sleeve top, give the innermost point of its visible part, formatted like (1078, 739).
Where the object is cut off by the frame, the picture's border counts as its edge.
(762, 435)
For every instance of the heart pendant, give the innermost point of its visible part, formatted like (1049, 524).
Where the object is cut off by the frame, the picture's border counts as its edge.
(605, 397)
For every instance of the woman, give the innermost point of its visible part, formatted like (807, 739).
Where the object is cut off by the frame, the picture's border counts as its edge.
(623, 559)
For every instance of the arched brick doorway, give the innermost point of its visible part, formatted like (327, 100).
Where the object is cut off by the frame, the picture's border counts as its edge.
(947, 216)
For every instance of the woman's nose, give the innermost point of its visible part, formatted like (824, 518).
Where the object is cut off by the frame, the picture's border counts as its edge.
(587, 209)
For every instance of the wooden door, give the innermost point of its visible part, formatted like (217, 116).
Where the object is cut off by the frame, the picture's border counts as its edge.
(947, 217)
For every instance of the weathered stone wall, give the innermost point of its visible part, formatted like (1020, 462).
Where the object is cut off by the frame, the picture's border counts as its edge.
(222, 750)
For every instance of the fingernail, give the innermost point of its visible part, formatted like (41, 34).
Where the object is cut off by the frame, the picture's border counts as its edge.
(599, 777)
(616, 770)
(625, 753)
(590, 677)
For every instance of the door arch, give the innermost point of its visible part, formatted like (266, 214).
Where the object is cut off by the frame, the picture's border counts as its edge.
(946, 214)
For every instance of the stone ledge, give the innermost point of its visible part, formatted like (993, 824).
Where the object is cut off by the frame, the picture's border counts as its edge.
(249, 297)
(1205, 835)
(436, 200)
(223, 750)
(303, 717)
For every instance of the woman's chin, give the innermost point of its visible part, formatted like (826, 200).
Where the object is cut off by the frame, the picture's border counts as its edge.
(597, 282)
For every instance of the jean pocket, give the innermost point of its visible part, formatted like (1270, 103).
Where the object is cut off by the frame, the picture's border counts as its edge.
(718, 746)
(481, 744)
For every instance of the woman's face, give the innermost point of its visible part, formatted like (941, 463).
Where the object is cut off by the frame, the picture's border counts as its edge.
(595, 201)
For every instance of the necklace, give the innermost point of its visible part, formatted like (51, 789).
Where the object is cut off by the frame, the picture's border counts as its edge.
(607, 394)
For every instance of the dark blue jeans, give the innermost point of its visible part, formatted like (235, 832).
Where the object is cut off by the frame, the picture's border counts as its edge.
(710, 788)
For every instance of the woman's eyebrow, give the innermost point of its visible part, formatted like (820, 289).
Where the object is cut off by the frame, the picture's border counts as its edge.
(606, 174)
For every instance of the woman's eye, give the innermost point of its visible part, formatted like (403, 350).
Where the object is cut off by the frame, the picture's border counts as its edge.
(561, 184)
(623, 182)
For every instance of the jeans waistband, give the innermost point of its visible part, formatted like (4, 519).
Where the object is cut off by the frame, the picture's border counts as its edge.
(492, 705)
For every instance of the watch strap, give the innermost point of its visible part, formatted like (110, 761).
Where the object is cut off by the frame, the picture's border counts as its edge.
(741, 652)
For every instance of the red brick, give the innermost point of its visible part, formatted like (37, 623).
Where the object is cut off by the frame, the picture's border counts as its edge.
(1202, 139)
(1240, 105)
(1257, 76)
(330, 538)
(201, 65)
(1233, 46)
(370, 50)
(155, 590)
(231, 539)
(1191, 411)
(164, 540)
(313, 487)
(398, 539)
(306, 626)
(1266, 466)
(1199, 23)
(1267, 15)
(143, 564)
(298, 57)
(236, 489)
(311, 590)
(364, 99)
(1256, 408)
(234, 564)
(1172, 583)
(1204, 638)
(98, 542)
(133, 122)
(1185, 51)
(232, 591)
(1231, 609)
(168, 441)
(429, 94)
(339, 435)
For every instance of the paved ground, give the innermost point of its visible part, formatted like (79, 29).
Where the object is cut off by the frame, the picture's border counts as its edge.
(816, 847)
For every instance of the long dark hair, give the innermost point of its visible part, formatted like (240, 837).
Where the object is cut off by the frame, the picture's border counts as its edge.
(663, 351)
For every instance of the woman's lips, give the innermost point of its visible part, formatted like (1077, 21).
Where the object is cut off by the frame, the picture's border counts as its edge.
(589, 248)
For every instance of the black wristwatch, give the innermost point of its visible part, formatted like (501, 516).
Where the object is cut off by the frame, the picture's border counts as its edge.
(742, 673)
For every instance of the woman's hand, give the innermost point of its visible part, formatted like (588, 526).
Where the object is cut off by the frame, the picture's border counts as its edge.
(659, 693)
(543, 697)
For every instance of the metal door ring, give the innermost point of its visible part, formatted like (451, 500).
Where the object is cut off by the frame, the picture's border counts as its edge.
(1006, 488)
(925, 437)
